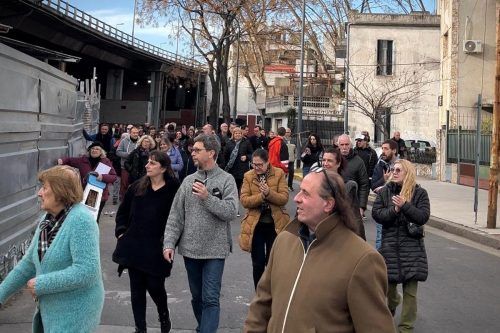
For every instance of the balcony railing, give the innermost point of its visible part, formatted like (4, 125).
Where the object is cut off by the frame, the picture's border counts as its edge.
(314, 106)
(72, 13)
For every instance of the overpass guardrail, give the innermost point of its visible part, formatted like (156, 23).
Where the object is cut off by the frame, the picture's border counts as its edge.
(71, 12)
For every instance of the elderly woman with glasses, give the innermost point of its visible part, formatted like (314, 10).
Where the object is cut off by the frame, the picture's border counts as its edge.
(264, 193)
(402, 207)
(87, 164)
(61, 268)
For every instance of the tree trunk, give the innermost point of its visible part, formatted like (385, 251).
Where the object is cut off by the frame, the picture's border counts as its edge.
(226, 106)
(213, 112)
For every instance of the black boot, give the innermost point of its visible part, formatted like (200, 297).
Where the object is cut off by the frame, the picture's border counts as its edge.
(165, 323)
(138, 330)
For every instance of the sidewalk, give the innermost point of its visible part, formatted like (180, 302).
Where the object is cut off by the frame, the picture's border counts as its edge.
(452, 210)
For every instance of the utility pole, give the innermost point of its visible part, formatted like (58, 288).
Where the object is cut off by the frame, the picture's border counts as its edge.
(495, 139)
(236, 79)
(346, 79)
(301, 81)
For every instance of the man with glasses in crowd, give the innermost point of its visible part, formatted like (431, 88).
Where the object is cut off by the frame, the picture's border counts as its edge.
(319, 248)
(199, 226)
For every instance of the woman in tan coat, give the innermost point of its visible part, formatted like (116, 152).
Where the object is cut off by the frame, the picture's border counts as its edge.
(264, 193)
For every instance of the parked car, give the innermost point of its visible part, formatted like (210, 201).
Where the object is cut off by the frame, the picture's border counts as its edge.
(417, 150)
(418, 145)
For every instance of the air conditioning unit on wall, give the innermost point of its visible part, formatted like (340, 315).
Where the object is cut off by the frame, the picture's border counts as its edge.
(473, 46)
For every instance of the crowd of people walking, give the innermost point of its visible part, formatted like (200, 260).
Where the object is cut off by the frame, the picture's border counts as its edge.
(179, 188)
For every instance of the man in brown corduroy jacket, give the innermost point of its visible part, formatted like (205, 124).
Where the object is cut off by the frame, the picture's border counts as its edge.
(321, 277)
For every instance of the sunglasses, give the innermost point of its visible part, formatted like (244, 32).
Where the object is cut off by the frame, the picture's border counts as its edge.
(330, 185)
(397, 170)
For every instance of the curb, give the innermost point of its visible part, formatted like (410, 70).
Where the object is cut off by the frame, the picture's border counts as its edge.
(472, 234)
(457, 229)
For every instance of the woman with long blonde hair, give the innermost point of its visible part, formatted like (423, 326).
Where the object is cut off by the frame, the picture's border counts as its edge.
(402, 207)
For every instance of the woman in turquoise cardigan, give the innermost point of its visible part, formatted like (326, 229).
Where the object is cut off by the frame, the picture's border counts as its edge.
(62, 267)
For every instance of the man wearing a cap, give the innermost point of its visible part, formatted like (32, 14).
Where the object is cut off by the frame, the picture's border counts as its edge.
(367, 154)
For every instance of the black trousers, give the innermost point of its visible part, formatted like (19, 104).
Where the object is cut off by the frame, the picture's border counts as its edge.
(140, 282)
(101, 207)
(239, 184)
(262, 242)
(291, 172)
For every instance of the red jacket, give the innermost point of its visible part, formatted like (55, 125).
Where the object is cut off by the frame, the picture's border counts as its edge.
(278, 154)
(83, 165)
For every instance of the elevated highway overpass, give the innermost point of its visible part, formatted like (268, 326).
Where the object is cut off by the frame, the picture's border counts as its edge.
(128, 69)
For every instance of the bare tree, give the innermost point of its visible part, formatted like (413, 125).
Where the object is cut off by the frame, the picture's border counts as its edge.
(325, 20)
(210, 26)
(379, 97)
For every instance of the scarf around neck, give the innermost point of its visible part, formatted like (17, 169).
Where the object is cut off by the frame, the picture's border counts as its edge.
(49, 228)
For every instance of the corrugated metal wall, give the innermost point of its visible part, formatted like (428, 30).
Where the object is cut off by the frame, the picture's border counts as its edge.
(38, 119)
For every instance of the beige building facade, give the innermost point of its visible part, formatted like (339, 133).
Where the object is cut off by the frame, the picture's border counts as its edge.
(393, 75)
(468, 60)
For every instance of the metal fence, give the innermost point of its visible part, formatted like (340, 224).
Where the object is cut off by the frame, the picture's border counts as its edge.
(461, 147)
(37, 120)
(461, 138)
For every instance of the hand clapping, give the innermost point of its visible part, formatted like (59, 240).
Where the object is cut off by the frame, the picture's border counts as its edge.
(398, 202)
(264, 189)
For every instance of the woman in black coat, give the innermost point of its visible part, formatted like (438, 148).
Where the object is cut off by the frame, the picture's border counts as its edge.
(135, 164)
(312, 153)
(402, 207)
(140, 224)
(237, 156)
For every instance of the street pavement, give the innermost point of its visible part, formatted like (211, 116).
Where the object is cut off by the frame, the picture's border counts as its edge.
(460, 295)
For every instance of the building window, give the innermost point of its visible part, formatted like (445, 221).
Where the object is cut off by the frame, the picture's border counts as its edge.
(384, 57)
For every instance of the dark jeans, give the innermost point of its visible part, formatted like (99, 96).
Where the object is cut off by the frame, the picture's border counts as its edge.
(239, 183)
(155, 285)
(291, 172)
(205, 278)
(262, 242)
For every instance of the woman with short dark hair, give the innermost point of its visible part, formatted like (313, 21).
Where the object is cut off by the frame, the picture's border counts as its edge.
(264, 193)
(61, 268)
(140, 224)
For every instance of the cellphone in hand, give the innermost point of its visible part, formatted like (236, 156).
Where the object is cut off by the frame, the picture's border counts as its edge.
(199, 181)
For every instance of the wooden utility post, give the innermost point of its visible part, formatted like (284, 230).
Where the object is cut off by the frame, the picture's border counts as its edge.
(495, 146)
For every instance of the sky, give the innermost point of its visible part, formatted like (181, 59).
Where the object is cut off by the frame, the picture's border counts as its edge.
(120, 14)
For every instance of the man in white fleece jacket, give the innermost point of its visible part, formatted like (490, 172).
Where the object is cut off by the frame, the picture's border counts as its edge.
(199, 225)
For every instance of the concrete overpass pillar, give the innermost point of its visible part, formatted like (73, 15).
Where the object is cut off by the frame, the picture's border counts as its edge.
(114, 84)
(155, 96)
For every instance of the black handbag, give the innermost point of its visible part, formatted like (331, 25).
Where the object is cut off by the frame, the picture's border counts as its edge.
(415, 230)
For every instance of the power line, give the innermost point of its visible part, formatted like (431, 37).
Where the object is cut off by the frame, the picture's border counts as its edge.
(396, 64)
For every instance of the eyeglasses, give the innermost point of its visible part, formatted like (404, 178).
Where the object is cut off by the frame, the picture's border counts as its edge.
(330, 185)
(197, 150)
(397, 170)
(257, 165)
